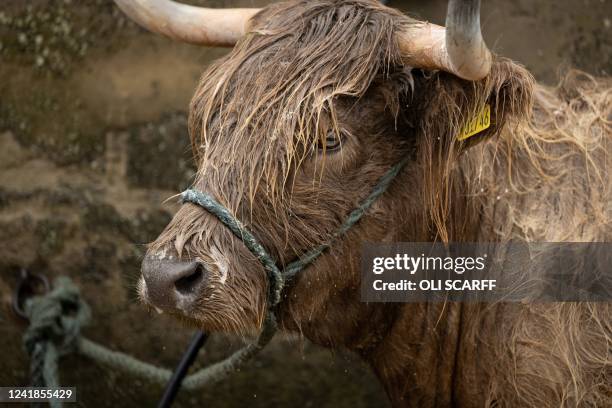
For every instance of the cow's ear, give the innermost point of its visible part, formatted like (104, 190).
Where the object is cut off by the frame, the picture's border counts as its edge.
(455, 113)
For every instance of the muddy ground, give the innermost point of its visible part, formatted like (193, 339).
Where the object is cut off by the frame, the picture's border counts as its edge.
(93, 139)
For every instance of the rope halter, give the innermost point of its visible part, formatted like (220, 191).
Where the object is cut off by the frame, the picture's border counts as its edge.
(276, 277)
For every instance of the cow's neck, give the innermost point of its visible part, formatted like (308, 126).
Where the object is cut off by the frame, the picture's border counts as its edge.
(416, 359)
(412, 348)
(423, 357)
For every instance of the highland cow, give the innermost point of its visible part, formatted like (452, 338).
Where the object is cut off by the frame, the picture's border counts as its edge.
(295, 125)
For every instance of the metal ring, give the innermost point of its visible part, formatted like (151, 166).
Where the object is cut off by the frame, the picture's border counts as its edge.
(26, 288)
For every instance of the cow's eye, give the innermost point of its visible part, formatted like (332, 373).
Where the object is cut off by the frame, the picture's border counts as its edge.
(331, 142)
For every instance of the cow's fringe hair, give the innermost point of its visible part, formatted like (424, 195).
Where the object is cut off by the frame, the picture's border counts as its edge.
(318, 51)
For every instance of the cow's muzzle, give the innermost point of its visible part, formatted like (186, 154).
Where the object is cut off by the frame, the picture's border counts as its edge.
(172, 284)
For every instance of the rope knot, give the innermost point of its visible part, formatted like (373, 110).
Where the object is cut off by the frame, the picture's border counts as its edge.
(56, 317)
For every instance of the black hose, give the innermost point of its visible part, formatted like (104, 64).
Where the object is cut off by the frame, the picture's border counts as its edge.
(180, 372)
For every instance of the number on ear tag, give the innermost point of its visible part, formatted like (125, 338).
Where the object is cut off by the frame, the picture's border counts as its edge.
(477, 124)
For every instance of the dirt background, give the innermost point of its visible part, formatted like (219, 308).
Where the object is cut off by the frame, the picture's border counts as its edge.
(93, 139)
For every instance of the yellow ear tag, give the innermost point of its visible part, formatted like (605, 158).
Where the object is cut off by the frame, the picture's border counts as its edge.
(477, 124)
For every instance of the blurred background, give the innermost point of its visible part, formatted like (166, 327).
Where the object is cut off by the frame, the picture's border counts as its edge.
(93, 139)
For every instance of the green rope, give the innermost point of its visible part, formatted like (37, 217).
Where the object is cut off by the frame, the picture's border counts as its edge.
(55, 327)
(204, 376)
(296, 266)
(276, 278)
(57, 317)
(238, 229)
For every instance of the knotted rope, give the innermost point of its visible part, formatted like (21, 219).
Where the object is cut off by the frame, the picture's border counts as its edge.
(55, 327)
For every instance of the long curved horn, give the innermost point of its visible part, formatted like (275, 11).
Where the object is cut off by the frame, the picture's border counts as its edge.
(458, 48)
(196, 25)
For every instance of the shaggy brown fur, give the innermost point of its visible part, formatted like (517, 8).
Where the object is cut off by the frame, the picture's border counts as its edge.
(539, 173)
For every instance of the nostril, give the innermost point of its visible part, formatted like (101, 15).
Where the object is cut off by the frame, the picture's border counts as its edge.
(188, 283)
